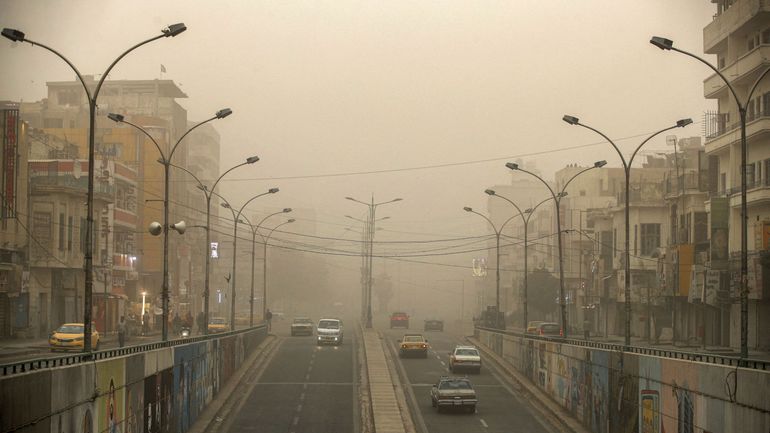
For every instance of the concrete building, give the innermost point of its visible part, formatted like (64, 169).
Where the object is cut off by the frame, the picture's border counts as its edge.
(739, 38)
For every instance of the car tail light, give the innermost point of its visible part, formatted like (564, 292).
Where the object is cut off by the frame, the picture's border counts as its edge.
(561, 332)
(541, 332)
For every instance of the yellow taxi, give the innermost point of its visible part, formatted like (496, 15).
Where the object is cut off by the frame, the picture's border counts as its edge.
(413, 344)
(69, 336)
(217, 324)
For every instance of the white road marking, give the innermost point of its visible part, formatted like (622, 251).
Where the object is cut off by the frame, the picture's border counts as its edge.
(304, 386)
(484, 423)
(302, 397)
(295, 421)
(299, 408)
(443, 363)
(307, 376)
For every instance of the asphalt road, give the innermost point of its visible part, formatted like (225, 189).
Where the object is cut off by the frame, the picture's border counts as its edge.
(500, 408)
(304, 388)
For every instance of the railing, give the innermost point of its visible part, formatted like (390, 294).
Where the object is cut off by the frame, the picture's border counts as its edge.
(756, 183)
(733, 361)
(29, 365)
(716, 124)
(80, 184)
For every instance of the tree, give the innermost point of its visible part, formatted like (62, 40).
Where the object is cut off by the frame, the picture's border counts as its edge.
(542, 293)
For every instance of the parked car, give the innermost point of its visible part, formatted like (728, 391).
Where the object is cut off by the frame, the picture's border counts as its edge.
(453, 392)
(465, 358)
(301, 326)
(217, 324)
(329, 331)
(434, 325)
(532, 326)
(69, 336)
(413, 344)
(549, 329)
(399, 320)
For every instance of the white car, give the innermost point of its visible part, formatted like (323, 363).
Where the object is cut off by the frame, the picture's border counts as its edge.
(465, 357)
(329, 331)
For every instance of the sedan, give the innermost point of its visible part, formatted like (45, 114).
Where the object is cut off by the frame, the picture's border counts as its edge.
(69, 336)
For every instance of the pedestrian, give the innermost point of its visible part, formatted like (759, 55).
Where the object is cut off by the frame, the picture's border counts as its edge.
(176, 323)
(122, 331)
(268, 319)
(146, 323)
(586, 328)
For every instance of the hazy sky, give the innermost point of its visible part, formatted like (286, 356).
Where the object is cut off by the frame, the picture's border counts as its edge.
(341, 86)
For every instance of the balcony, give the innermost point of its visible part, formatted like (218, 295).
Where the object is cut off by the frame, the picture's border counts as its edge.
(757, 192)
(726, 23)
(125, 218)
(720, 134)
(66, 184)
(741, 73)
(693, 182)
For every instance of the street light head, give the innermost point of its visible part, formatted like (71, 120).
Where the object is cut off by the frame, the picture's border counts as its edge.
(226, 205)
(528, 210)
(116, 117)
(272, 190)
(252, 159)
(684, 122)
(290, 220)
(490, 191)
(397, 199)
(350, 198)
(201, 187)
(468, 209)
(512, 165)
(174, 29)
(13, 34)
(286, 210)
(599, 164)
(562, 194)
(662, 43)
(572, 120)
(221, 114)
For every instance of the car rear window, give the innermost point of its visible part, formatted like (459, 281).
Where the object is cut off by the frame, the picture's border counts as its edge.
(467, 352)
(454, 384)
(550, 329)
(70, 329)
(413, 338)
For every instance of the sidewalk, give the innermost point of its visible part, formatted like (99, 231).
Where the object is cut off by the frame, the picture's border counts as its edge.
(23, 346)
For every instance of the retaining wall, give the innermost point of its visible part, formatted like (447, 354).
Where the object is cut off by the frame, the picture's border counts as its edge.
(155, 390)
(616, 391)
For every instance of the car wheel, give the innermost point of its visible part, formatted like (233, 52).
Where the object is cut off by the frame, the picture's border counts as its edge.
(471, 409)
(478, 370)
(439, 409)
(425, 355)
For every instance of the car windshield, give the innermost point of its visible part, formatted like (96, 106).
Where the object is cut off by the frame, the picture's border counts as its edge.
(302, 321)
(329, 324)
(399, 314)
(454, 384)
(467, 352)
(70, 329)
(216, 321)
(413, 338)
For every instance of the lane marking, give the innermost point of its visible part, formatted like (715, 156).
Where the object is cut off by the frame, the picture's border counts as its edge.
(442, 363)
(299, 408)
(295, 421)
(307, 376)
(304, 386)
(484, 423)
(302, 397)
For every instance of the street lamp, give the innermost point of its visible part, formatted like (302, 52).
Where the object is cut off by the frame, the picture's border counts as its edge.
(266, 239)
(525, 220)
(627, 170)
(497, 265)
(557, 201)
(19, 36)
(166, 161)
(236, 219)
(365, 260)
(372, 210)
(667, 44)
(210, 193)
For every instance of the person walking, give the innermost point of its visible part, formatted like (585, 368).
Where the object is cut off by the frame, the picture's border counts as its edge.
(122, 332)
(269, 319)
(176, 323)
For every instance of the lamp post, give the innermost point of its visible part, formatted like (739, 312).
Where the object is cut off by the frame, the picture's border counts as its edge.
(667, 44)
(557, 201)
(210, 193)
(166, 161)
(497, 261)
(264, 266)
(372, 211)
(525, 221)
(19, 36)
(264, 262)
(365, 260)
(236, 220)
(627, 170)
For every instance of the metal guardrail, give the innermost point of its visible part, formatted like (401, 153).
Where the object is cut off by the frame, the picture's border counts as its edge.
(732, 361)
(29, 365)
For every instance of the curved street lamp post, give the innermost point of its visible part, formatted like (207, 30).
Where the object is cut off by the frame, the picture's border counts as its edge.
(627, 170)
(557, 202)
(668, 45)
(266, 239)
(166, 161)
(19, 36)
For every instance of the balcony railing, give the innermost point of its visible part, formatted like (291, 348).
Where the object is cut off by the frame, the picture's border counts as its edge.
(717, 124)
(79, 185)
(686, 181)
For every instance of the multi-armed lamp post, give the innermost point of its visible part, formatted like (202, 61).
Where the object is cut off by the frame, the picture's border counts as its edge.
(557, 202)
(627, 169)
(19, 36)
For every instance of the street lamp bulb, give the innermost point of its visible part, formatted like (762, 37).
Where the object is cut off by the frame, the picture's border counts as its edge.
(468, 209)
(490, 191)
(221, 114)
(174, 29)
(397, 199)
(252, 159)
(683, 122)
(116, 117)
(512, 165)
(225, 205)
(286, 210)
(272, 190)
(599, 164)
(290, 220)
(562, 194)
(529, 210)
(662, 43)
(572, 120)
(13, 34)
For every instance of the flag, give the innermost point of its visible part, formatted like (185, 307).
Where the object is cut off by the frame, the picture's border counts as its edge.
(162, 68)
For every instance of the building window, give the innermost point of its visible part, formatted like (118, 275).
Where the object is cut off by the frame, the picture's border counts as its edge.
(723, 181)
(61, 232)
(767, 170)
(650, 238)
(82, 235)
(69, 233)
(750, 175)
(69, 97)
(53, 123)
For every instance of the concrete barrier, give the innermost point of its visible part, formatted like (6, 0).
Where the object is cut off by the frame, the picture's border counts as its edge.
(160, 389)
(613, 391)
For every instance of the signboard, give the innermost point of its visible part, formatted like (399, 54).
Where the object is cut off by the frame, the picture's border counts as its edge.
(719, 233)
(10, 125)
(480, 267)
(215, 250)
